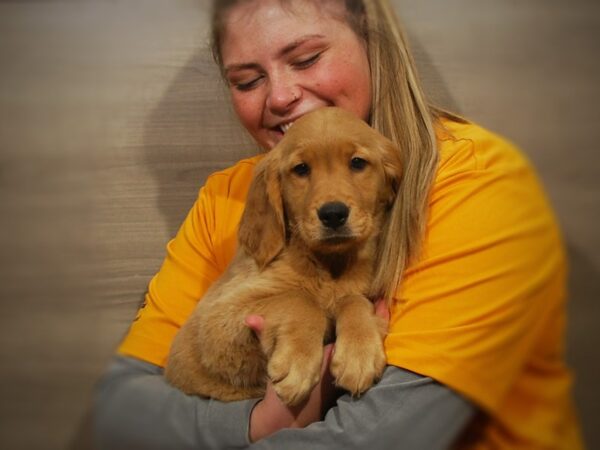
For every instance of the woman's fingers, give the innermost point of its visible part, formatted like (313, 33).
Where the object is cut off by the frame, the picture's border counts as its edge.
(382, 310)
(256, 323)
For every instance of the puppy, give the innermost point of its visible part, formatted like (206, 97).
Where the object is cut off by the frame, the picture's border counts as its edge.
(307, 245)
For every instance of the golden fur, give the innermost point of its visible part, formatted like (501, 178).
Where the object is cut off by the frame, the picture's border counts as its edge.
(302, 276)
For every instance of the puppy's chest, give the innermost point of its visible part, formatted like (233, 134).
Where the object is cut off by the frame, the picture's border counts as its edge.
(324, 287)
(323, 284)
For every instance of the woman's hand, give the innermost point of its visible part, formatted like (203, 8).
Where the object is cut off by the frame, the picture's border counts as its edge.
(382, 311)
(270, 414)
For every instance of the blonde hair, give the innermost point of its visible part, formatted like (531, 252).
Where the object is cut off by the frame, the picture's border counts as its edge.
(400, 112)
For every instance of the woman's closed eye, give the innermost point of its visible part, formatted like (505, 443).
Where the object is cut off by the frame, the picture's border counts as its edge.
(246, 85)
(304, 63)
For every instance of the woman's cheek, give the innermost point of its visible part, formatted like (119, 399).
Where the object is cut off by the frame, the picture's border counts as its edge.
(338, 79)
(244, 108)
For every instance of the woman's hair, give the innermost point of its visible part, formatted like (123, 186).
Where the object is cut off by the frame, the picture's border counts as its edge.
(400, 112)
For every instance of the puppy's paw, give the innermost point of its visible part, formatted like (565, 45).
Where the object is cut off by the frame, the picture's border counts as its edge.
(358, 361)
(294, 373)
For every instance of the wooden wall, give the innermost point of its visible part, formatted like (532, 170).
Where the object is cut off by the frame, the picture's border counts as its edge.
(111, 116)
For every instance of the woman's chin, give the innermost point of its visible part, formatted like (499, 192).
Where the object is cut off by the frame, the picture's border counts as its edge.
(270, 139)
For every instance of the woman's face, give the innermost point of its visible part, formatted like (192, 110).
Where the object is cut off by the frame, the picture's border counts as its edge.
(282, 63)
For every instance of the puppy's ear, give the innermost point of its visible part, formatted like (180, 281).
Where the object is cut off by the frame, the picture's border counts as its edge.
(262, 228)
(392, 165)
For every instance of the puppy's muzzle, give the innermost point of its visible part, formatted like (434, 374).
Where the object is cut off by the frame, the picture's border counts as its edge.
(333, 214)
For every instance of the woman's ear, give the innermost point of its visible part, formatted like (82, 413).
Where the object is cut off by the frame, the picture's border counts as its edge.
(262, 227)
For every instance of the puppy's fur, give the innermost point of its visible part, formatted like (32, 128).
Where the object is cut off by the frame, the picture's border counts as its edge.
(302, 265)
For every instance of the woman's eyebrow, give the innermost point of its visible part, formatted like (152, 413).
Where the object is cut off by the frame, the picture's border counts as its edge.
(298, 42)
(242, 66)
(284, 51)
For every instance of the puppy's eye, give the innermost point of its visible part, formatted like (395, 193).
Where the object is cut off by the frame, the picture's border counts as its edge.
(302, 169)
(357, 164)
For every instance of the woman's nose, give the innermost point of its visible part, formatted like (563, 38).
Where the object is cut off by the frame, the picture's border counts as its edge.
(284, 93)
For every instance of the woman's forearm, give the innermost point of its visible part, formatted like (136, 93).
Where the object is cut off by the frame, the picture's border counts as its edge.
(135, 408)
(404, 411)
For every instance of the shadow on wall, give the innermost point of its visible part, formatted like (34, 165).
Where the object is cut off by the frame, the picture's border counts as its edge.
(435, 87)
(191, 133)
(583, 340)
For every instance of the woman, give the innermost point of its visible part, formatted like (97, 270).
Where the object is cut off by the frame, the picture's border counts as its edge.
(476, 325)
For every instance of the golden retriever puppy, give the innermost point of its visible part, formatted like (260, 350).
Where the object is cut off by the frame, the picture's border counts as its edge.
(307, 244)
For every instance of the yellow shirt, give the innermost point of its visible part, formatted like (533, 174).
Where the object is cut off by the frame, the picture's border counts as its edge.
(481, 310)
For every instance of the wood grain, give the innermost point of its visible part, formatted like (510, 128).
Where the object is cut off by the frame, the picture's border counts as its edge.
(112, 115)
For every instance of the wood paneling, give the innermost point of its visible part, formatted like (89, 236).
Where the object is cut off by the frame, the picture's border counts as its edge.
(112, 115)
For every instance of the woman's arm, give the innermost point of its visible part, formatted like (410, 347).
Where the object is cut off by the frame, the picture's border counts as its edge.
(135, 408)
(404, 411)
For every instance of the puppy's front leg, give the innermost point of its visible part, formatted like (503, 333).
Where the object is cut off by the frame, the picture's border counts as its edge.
(358, 359)
(293, 342)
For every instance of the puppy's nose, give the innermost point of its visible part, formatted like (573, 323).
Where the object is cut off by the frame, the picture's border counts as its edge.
(333, 214)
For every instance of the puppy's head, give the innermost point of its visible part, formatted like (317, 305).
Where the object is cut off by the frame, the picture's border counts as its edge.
(328, 183)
